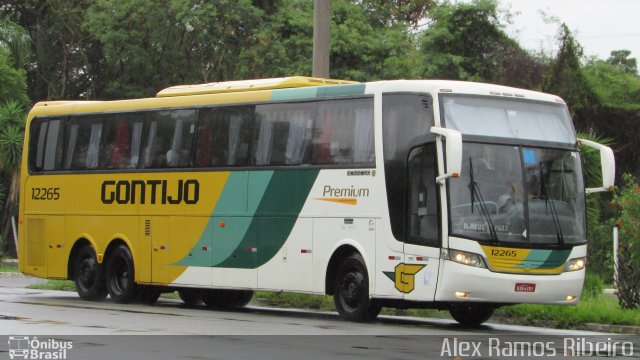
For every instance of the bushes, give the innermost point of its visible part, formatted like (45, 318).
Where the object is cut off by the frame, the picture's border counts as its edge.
(627, 201)
(593, 287)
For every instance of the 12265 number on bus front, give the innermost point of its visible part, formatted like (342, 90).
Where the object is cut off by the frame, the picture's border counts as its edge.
(45, 193)
(503, 252)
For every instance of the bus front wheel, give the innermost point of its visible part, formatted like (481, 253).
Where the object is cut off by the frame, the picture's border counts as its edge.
(88, 275)
(351, 291)
(120, 275)
(471, 315)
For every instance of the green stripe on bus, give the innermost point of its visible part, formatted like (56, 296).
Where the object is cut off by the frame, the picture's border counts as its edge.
(341, 90)
(294, 94)
(229, 223)
(274, 218)
(275, 201)
(544, 259)
(318, 92)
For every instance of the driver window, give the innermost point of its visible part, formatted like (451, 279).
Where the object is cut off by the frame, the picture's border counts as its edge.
(422, 205)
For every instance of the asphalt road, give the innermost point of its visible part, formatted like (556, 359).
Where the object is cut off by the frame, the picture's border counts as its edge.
(253, 332)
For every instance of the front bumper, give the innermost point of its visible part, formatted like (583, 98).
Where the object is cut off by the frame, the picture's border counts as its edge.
(483, 285)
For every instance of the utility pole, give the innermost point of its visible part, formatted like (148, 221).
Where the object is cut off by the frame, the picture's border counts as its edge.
(321, 38)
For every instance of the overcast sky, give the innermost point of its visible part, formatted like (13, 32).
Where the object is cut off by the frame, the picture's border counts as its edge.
(599, 25)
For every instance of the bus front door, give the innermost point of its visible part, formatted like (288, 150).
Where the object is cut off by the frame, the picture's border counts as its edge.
(422, 245)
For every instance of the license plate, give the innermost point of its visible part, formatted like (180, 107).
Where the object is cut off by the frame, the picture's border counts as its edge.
(523, 287)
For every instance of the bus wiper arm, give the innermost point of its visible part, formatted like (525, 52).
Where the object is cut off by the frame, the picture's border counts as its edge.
(549, 204)
(474, 189)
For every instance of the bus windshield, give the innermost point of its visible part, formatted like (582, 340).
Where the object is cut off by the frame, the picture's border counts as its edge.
(518, 194)
(508, 118)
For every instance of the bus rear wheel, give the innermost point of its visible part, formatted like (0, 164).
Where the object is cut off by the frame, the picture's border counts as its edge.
(191, 297)
(88, 275)
(120, 276)
(149, 294)
(351, 291)
(471, 315)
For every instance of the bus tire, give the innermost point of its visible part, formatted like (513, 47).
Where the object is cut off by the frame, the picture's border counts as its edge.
(120, 276)
(88, 275)
(214, 299)
(226, 299)
(351, 291)
(191, 297)
(471, 314)
(239, 298)
(149, 294)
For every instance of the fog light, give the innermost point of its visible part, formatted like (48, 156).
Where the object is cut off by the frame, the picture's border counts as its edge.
(462, 294)
(570, 297)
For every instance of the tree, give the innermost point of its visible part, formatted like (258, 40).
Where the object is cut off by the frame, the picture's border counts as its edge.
(12, 119)
(394, 12)
(466, 41)
(67, 59)
(566, 78)
(15, 40)
(599, 210)
(361, 48)
(613, 85)
(621, 59)
(151, 44)
(14, 53)
(12, 81)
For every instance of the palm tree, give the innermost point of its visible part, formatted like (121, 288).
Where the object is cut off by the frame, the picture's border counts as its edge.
(12, 119)
(16, 41)
(16, 44)
(591, 158)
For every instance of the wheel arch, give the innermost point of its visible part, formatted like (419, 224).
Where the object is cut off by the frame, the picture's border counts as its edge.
(115, 241)
(82, 241)
(341, 251)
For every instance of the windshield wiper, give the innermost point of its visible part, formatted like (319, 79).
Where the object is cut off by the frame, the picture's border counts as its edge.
(474, 189)
(550, 204)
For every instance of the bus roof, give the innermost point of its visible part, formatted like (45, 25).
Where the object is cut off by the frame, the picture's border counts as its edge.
(249, 85)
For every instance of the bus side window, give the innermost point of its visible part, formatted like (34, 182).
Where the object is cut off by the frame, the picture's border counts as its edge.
(181, 143)
(422, 204)
(45, 147)
(282, 134)
(223, 136)
(121, 141)
(51, 155)
(169, 139)
(38, 134)
(343, 133)
(82, 142)
(115, 149)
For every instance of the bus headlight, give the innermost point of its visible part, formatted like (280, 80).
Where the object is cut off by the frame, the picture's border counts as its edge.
(465, 258)
(575, 264)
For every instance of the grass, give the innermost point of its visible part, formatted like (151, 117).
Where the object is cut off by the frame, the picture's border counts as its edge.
(292, 300)
(62, 285)
(8, 268)
(599, 310)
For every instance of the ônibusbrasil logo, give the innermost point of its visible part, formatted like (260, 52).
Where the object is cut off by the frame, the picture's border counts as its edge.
(31, 348)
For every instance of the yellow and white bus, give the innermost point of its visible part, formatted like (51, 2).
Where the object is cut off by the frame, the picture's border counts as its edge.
(407, 193)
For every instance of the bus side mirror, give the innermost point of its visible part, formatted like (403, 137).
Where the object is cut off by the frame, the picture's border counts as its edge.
(607, 164)
(453, 152)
